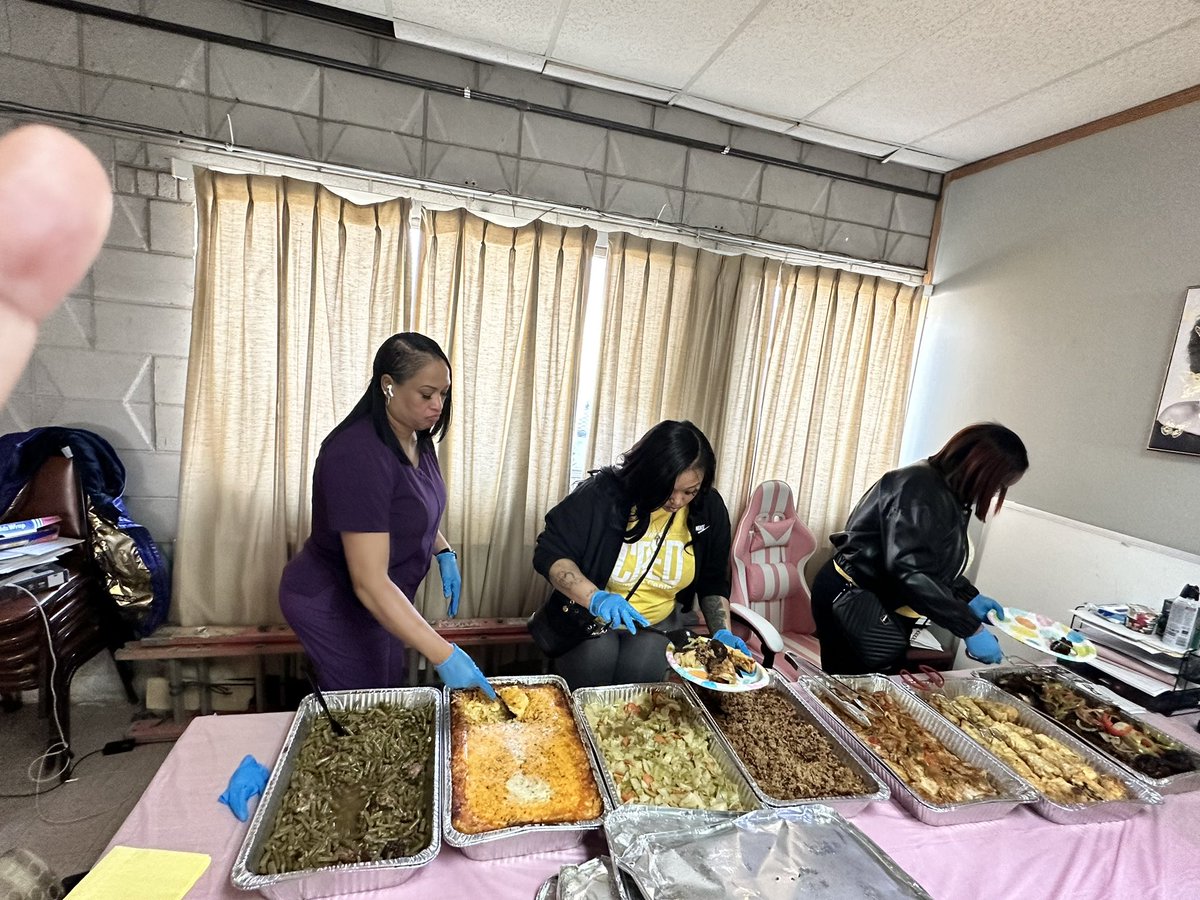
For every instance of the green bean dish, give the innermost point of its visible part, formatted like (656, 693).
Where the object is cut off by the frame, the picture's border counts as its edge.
(364, 797)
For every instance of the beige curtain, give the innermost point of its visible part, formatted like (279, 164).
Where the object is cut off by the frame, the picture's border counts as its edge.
(295, 289)
(836, 378)
(507, 306)
(682, 331)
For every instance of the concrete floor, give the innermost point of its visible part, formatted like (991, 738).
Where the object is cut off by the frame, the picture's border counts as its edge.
(68, 826)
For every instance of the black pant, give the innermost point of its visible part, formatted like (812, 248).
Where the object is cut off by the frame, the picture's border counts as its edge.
(838, 653)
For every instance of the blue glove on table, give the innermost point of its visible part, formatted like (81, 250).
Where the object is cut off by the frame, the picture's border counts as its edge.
(460, 671)
(248, 780)
(451, 580)
(981, 605)
(983, 646)
(727, 637)
(616, 611)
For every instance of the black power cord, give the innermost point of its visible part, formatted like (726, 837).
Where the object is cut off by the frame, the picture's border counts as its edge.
(111, 748)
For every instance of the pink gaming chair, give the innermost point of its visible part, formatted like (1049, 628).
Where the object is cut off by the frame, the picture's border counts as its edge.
(769, 549)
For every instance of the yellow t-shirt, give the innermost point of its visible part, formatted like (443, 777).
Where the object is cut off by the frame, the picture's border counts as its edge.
(674, 568)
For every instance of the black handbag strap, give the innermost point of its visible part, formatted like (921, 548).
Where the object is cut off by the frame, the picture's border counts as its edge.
(650, 565)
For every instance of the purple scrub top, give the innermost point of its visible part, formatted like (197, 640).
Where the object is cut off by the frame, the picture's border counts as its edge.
(360, 485)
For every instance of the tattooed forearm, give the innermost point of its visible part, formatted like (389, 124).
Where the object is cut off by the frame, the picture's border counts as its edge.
(566, 577)
(713, 608)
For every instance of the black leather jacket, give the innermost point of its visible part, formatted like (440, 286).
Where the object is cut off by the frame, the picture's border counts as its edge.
(906, 541)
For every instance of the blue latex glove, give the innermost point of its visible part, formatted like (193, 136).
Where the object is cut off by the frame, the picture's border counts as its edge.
(248, 780)
(616, 611)
(451, 580)
(981, 605)
(460, 671)
(729, 639)
(983, 646)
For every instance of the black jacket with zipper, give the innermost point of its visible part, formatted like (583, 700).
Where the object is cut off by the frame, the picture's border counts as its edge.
(906, 542)
(588, 525)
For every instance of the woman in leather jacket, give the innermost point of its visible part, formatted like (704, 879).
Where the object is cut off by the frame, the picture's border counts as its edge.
(906, 544)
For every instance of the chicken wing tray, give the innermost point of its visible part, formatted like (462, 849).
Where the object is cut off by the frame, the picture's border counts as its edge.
(353, 813)
(1075, 783)
(655, 747)
(936, 772)
(520, 778)
(1155, 758)
(788, 754)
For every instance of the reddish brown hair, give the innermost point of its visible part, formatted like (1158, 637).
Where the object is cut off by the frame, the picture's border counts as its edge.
(980, 462)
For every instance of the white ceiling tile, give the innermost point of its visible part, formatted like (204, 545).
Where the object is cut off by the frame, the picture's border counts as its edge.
(996, 52)
(1153, 70)
(524, 25)
(645, 42)
(798, 54)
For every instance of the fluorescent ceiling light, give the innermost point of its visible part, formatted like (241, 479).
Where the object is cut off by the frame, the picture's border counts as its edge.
(606, 82)
(927, 161)
(733, 114)
(839, 140)
(459, 46)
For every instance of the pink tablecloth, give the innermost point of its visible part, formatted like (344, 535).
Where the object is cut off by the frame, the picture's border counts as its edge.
(1154, 855)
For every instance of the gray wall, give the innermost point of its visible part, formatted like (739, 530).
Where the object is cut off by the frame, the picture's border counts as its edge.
(1059, 282)
(114, 358)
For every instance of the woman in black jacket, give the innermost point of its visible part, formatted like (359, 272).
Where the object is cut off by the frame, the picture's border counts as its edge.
(906, 544)
(635, 544)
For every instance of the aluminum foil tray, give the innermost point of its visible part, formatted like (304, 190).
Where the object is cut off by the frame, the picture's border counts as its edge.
(1175, 784)
(520, 840)
(1013, 791)
(847, 805)
(548, 890)
(1141, 797)
(341, 879)
(625, 693)
(596, 879)
(794, 853)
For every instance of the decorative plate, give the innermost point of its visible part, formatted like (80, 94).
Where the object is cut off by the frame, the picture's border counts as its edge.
(1039, 632)
(747, 681)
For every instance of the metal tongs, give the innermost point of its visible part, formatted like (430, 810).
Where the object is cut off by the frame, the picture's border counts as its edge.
(847, 699)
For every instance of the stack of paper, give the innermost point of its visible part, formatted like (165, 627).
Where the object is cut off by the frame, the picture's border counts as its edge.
(34, 554)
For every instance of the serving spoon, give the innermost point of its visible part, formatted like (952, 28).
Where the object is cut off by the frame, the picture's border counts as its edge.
(339, 730)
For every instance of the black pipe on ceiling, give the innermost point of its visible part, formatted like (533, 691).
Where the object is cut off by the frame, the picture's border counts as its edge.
(372, 25)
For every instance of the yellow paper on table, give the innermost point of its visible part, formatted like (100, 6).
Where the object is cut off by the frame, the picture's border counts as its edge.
(132, 873)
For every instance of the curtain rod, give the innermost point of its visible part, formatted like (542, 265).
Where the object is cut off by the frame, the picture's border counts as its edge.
(718, 241)
(471, 93)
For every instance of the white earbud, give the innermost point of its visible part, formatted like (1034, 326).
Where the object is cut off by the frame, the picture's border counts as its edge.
(388, 390)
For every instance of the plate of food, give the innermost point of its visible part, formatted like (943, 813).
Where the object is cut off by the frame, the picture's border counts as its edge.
(1044, 634)
(718, 667)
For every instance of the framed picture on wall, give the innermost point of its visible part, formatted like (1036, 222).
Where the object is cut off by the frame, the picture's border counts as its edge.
(1177, 420)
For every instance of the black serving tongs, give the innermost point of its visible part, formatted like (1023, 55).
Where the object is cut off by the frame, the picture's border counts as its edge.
(339, 730)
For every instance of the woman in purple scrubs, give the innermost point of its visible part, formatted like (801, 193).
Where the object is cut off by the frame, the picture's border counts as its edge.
(378, 498)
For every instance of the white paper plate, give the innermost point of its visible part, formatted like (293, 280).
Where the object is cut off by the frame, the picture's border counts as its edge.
(747, 681)
(1038, 631)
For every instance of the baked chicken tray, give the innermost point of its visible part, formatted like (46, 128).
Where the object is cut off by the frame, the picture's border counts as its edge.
(520, 778)
(1154, 757)
(789, 756)
(935, 772)
(341, 815)
(1075, 783)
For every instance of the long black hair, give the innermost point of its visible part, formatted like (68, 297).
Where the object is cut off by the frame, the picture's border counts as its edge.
(648, 469)
(401, 356)
(980, 462)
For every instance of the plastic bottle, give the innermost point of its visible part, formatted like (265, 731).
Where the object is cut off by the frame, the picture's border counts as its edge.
(1185, 612)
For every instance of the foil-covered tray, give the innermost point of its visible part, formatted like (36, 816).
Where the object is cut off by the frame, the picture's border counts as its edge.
(847, 805)
(548, 890)
(329, 881)
(1141, 797)
(519, 840)
(596, 879)
(626, 692)
(1013, 791)
(1173, 784)
(792, 853)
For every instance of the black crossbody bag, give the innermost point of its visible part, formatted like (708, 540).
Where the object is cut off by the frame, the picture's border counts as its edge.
(874, 631)
(561, 624)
